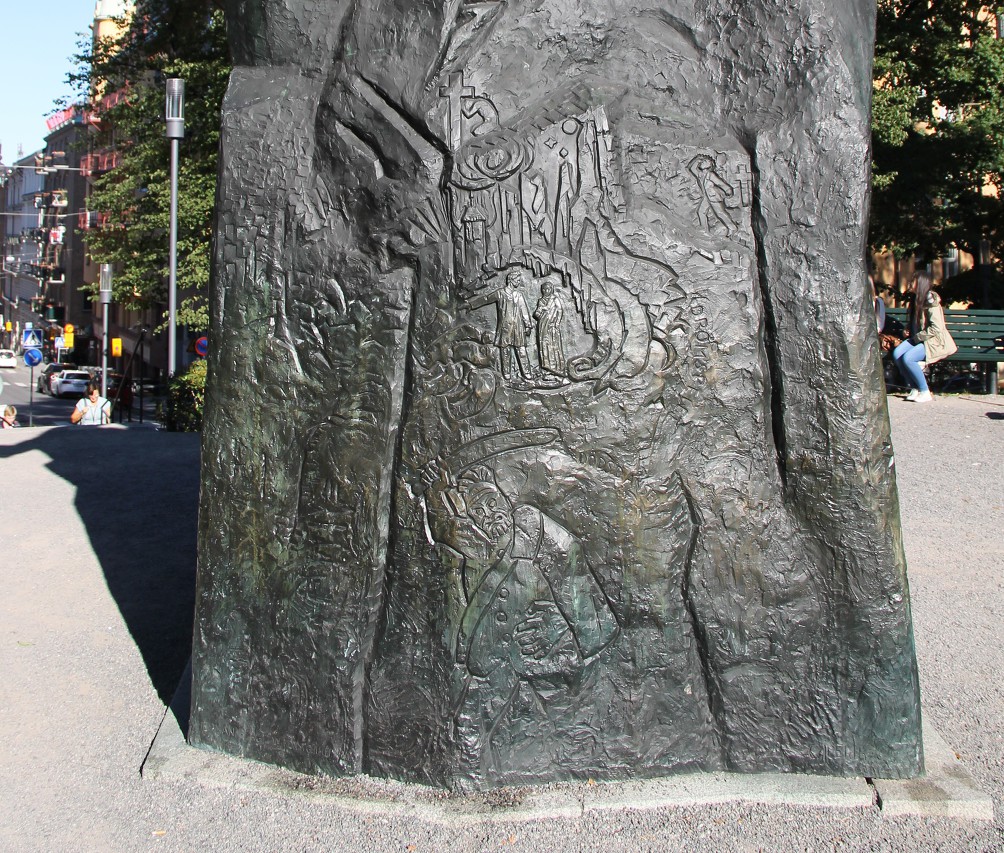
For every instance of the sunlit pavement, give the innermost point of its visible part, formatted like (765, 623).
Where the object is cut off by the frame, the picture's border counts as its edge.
(98, 560)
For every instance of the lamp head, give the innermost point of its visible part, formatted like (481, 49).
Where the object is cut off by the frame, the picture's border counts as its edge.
(174, 108)
(105, 286)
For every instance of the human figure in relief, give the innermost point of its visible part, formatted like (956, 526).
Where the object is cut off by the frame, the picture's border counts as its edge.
(714, 190)
(535, 616)
(514, 324)
(550, 345)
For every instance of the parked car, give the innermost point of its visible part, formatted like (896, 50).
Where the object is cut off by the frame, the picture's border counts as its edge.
(114, 377)
(7, 358)
(150, 387)
(48, 372)
(70, 382)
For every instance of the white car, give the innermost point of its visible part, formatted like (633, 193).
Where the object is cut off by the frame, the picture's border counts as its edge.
(7, 358)
(70, 382)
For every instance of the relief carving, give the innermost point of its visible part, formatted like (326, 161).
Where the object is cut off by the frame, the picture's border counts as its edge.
(526, 365)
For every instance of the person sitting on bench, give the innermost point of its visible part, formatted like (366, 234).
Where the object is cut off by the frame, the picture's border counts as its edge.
(929, 339)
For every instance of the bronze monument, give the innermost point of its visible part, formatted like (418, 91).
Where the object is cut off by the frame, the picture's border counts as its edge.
(546, 436)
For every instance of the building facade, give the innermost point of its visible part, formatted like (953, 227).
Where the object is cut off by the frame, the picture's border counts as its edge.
(23, 236)
(63, 250)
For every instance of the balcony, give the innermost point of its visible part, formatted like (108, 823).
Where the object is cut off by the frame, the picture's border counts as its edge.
(88, 220)
(105, 103)
(99, 162)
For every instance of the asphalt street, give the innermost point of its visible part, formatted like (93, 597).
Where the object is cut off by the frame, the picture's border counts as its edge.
(97, 539)
(36, 408)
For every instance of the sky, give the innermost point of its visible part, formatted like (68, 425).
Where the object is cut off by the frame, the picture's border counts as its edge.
(36, 46)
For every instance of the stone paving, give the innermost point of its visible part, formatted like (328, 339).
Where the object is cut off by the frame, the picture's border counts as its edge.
(98, 550)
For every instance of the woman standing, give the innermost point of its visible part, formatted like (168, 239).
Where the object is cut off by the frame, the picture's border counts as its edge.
(92, 408)
(549, 344)
(929, 339)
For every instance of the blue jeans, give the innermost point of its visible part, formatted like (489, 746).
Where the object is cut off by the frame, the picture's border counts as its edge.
(906, 356)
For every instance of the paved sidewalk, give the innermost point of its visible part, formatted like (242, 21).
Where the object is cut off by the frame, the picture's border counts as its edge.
(98, 541)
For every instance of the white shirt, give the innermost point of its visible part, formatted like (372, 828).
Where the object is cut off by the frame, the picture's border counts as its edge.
(96, 413)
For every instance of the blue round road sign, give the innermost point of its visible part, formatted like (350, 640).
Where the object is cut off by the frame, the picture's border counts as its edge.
(32, 357)
(202, 346)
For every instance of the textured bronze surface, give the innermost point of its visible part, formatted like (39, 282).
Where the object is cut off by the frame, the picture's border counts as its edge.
(546, 435)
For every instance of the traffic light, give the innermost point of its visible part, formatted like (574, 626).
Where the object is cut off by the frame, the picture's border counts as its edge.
(116, 347)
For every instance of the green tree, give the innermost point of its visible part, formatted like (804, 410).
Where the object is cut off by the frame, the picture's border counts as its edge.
(165, 38)
(937, 128)
(186, 399)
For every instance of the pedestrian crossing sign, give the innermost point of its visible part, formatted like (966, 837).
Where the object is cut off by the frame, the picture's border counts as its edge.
(32, 339)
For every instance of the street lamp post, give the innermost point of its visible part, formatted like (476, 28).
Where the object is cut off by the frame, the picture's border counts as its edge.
(7, 303)
(174, 114)
(106, 301)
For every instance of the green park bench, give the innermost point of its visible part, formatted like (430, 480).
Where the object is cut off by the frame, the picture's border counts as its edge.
(979, 334)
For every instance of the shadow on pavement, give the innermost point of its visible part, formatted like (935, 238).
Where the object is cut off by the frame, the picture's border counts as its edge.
(137, 496)
(996, 416)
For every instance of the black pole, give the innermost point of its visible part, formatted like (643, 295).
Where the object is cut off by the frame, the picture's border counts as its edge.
(142, 371)
(127, 371)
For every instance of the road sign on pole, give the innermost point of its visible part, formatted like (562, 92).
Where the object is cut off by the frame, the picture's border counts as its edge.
(32, 357)
(31, 339)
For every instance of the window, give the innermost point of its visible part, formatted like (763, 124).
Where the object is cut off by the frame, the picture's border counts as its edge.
(950, 263)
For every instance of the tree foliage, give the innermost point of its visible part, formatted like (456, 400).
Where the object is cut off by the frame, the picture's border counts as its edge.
(186, 399)
(937, 128)
(165, 38)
